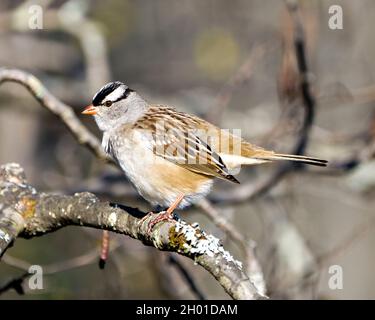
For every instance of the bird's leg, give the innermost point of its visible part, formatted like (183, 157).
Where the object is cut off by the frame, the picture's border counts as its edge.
(165, 215)
(174, 205)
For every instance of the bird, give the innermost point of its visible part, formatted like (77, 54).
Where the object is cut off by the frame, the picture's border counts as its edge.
(171, 157)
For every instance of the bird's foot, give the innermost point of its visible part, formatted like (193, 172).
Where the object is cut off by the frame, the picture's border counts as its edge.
(167, 215)
(163, 216)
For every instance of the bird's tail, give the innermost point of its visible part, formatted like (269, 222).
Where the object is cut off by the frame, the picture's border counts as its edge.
(264, 156)
(290, 157)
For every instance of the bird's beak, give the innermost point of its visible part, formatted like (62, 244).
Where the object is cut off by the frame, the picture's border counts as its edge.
(90, 110)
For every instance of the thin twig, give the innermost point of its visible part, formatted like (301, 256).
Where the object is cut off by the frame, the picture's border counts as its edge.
(60, 109)
(356, 234)
(16, 284)
(73, 263)
(50, 269)
(253, 267)
(250, 191)
(187, 277)
(242, 75)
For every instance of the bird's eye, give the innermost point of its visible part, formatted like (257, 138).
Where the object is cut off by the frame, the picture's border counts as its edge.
(108, 103)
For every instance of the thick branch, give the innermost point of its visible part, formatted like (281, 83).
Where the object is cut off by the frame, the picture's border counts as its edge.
(27, 213)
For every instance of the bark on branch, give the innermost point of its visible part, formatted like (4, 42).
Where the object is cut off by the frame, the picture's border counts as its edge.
(26, 213)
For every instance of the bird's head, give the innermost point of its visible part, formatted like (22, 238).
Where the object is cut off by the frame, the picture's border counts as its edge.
(115, 104)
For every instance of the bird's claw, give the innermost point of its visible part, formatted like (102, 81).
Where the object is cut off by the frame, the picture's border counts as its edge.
(167, 215)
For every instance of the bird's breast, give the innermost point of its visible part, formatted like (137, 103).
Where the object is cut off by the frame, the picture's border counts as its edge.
(156, 179)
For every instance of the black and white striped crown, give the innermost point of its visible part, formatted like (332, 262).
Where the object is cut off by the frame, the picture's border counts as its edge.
(113, 91)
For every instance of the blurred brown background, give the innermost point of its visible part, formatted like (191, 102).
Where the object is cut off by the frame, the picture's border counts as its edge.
(189, 54)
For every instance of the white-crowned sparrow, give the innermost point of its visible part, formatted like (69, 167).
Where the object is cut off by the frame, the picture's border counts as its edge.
(171, 157)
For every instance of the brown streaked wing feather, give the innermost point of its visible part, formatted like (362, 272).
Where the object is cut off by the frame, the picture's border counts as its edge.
(223, 141)
(182, 147)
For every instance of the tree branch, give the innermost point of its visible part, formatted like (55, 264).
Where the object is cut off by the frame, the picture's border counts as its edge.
(60, 109)
(252, 265)
(27, 213)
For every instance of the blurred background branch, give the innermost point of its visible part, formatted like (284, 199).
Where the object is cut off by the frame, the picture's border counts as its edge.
(63, 111)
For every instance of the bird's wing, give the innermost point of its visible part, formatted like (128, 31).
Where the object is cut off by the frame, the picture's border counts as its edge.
(176, 139)
(235, 151)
